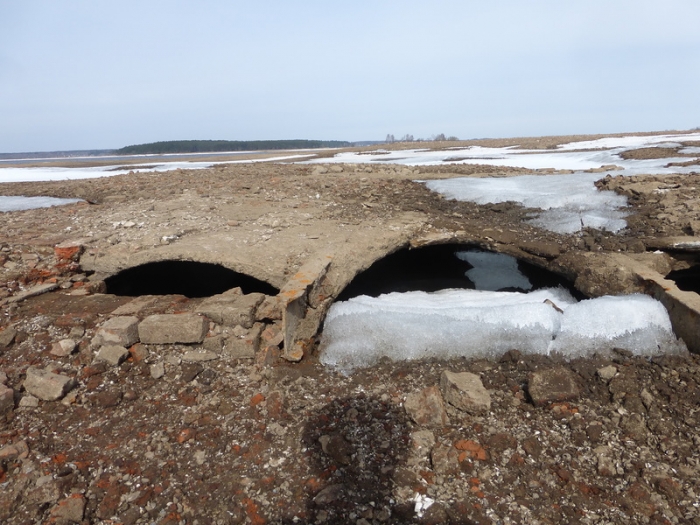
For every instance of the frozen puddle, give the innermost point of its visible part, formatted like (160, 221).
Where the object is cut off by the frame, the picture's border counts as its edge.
(31, 203)
(476, 323)
(568, 202)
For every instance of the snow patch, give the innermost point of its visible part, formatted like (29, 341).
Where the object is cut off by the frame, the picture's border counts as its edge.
(31, 203)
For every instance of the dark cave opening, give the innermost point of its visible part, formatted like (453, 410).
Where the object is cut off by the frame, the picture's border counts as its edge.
(687, 280)
(189, 278)
(437, 267)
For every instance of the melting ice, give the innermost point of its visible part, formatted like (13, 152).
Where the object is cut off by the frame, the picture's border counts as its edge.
(30, 203)
(474, 323)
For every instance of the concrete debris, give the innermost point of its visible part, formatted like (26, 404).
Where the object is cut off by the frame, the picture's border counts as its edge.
(46, 385)
(465, 391)
(33, 292)
(63, 348)
(69, 250)
(69, 510)
(427, 407)
(7, 336)
(553, 385)
(18, 450)
(173, 328)
(232, 308)
(196, 356)
(112, 354)
(7, 400)
(607, 372)
(247, 346)
(121, 330)
(157, 370)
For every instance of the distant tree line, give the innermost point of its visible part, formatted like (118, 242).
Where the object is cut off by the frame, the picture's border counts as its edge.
(409, 138)
(210, 146)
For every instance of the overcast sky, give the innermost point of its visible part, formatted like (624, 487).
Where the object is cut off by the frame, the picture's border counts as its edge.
(97, 74)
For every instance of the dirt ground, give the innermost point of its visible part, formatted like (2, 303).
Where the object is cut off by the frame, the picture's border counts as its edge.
(260, 440)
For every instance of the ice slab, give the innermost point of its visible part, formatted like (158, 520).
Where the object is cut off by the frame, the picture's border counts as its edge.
(494, 271)
(473, 323)
(570, 202)
(31, 203)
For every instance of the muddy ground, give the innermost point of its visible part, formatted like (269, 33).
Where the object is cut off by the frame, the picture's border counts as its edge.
(260, 440)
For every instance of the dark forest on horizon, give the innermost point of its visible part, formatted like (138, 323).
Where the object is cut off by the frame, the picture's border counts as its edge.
(211, 146)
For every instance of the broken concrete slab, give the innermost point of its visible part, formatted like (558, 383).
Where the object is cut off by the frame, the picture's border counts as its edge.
(247, 346)
(427, 407)
(197, 356)
(296, 296)
(33, 292)
(120, 330)
(46, 385)
(232, 308)
(553, 385)
(112, 354)
(173, 328)
(465, 391)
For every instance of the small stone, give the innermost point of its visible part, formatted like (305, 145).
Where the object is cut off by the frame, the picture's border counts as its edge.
(552, 385)
(422, 442)
(337, 448)
(28, 402)
(112, 354)
(190, 371)
(108, 398)
(7, 336)
(63, 348)
(18, 450)
(427, 408)
(157, 370)
(3, 378)
(69, 510)
(173, 328)
(46, 385)
(77, 332)
(122, 330)
(607, 372)
(195, 356)
(200, 457)
(7, 400)
(465, 391)
(269, 309)
(139, 352)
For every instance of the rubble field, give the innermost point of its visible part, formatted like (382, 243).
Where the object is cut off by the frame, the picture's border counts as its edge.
(170, 409)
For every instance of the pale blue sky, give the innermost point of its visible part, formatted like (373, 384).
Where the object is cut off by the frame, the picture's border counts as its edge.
(95, 74)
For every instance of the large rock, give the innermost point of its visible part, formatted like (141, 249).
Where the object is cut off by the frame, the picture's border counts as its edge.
(47, 385)
(69, 510)
(231, 308)
(465, 391)
(121, 330)
(427, 408)
(173, 328)
(553, 385)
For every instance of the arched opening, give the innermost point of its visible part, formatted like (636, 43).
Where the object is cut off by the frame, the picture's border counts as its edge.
(687, 280)
(189, 278)
(443, 266)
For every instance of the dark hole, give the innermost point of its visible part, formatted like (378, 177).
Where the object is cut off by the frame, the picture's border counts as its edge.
(435, 268)
(688, 279)
(188, 278)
